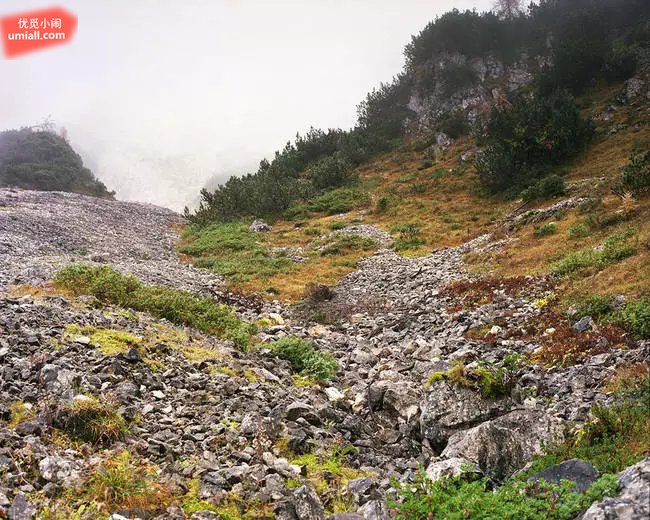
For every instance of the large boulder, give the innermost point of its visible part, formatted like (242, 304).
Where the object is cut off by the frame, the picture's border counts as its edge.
(580, 472)
(449, 408)
(259, 226)
(633, 500)
(503, 445)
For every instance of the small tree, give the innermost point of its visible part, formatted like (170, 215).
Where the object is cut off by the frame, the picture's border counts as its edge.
(508, 8)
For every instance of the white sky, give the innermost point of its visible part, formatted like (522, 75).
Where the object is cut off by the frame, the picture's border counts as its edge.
(160, 95)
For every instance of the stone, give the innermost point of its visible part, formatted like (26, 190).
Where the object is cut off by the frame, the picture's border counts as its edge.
(501, 446)
(307, 504)
(334, 394)
(60, 470)
(452, 467)
(205, 515)
(132, 355)
(448, 408)
(581, 473)
(259, 226)
(20, 509)
(632, 502)
(583, 324)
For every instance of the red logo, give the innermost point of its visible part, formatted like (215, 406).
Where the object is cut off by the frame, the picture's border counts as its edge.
(35, 30)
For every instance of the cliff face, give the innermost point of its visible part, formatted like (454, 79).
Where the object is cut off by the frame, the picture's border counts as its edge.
(479, 83)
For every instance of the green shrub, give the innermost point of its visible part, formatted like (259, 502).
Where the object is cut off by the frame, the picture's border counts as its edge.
(337, 224)
(550, 228)
(304, 358)
(332, 202)
(343, 244)
(410, 235)
(578, 231)
(635, 177)
(180, 307)
(454, 124)
(550, 186)
(595, 305)
(635, 316)
(330, 172)
(529, 137)
(468, 496)
(613, 438)
(383, 203)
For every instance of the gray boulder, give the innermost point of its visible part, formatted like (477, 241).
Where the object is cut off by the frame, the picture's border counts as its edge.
(259, 226)
(503, 445)
(453, 467)
(60, 470)
(581, 473)
(448, 408)
(20, 509)
(633, 501)
(307, 504)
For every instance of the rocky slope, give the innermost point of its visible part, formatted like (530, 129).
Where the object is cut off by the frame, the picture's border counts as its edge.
(231, 421)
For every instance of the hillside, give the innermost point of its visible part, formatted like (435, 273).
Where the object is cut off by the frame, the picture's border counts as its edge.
(433, 315)
(42, 160)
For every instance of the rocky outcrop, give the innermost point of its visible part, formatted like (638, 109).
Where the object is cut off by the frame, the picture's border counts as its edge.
(632, 502)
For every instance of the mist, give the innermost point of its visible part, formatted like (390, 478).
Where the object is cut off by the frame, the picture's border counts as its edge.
(160, 97)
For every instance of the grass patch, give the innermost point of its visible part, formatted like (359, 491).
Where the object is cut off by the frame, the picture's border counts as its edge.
(304, 358)
(94, 420)
(123, 482)
(111, 342)
(179, 307)
(550, 228)
(617, 247)
(340, 200)
(233, 251)
(345, 244)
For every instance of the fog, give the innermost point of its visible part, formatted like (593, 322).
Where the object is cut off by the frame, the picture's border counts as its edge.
(158, 96)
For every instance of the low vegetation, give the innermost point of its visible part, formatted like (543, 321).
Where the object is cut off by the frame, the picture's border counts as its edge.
(615, 248)
(492, 380)
(231, 250)
(180, 307)
(93, 420)
(305, 358)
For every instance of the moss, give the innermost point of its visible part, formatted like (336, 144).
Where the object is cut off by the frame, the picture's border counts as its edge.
(19, 412)
(111, 342)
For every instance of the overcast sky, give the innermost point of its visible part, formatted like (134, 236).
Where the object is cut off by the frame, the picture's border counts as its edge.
(160, 95)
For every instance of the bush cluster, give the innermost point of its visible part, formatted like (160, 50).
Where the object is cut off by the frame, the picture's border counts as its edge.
(635, 177)
(304, 358)
(180, 307)
(42, 160)
(527, 138)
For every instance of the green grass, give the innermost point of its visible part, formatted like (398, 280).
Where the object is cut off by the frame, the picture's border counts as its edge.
(340, 200)
(634, 317)
(304, 358)
(344, 244)
(544, 230)
(233, 251)
(616, 248)
(179, 307)
(463, 497)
